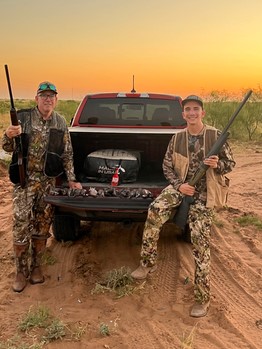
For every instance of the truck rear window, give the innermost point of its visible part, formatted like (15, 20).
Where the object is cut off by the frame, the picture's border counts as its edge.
(132, 112)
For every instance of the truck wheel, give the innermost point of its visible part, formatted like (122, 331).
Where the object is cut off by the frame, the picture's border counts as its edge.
(66, 227)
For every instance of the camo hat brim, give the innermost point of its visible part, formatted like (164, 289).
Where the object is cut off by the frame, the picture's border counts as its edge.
(192, 98)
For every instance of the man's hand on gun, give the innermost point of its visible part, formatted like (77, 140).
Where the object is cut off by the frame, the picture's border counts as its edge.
(188, 189)
(13, 131)
(211, 161)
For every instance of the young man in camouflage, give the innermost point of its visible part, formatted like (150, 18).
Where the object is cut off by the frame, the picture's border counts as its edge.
(184, 153)
(48, 152)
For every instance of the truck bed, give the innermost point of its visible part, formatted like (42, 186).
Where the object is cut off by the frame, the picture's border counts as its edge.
(150, 146)
(110, 130)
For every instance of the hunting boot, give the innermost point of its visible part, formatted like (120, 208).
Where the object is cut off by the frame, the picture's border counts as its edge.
(38, 248)
(21, 261)
(141, 272)
(199, 310)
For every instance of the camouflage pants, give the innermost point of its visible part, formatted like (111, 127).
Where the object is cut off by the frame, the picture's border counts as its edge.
(199, 220)
(32, 216)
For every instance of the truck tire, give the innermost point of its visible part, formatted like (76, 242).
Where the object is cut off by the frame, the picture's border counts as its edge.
(66, 227)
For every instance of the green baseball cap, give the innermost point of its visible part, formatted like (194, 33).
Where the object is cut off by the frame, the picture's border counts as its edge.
(192, 98)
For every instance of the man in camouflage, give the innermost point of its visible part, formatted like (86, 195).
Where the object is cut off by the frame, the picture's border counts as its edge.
(184, 154)
(48, 153)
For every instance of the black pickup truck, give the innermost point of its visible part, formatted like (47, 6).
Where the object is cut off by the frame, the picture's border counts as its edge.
(119, 136)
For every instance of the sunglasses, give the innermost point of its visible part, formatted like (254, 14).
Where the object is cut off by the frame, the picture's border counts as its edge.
(47, 86)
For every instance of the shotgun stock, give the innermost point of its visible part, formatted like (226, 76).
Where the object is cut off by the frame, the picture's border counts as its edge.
(180, 218)
(18, 153)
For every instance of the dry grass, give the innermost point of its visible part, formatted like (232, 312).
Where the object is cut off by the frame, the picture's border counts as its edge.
(39, 327)
(118, 281)
(249, 220)
(187, 339)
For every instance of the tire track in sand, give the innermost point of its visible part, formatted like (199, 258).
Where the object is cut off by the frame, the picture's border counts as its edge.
(242, 308)
(61, 271)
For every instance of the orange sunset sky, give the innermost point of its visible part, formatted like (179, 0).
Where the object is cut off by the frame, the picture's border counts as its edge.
(178, 47)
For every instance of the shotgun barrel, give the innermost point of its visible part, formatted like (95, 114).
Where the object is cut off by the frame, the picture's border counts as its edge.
(18, 140)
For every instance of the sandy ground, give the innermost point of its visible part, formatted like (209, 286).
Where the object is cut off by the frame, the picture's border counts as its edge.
(156, 315)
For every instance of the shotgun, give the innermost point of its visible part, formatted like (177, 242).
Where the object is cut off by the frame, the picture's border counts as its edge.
(18, 152)
(180, 218)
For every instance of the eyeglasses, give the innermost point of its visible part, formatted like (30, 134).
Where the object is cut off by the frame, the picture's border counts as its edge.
(46, 86)
(45, 96)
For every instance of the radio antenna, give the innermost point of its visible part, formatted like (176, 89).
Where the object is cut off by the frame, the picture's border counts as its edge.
(133, 89)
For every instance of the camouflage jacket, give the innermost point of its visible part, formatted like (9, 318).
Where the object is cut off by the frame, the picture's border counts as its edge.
(47, 145)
